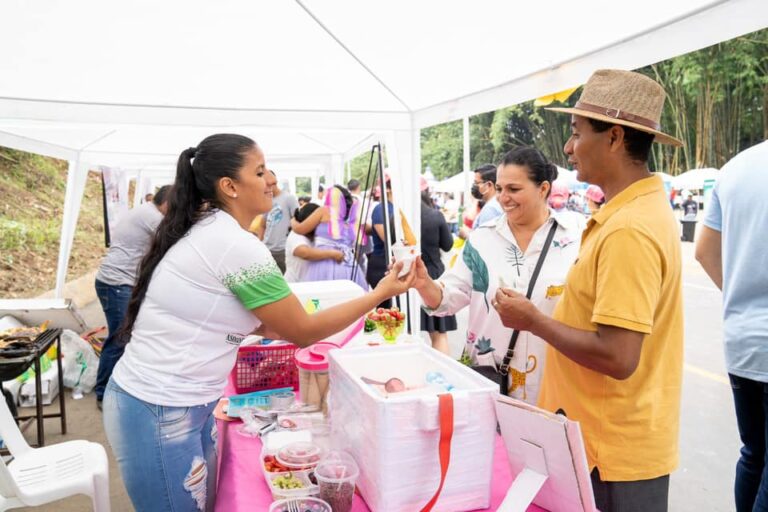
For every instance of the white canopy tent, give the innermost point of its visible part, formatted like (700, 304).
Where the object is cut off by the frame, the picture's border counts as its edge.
(567, 178)
(695, 178)
(131, 84)
(455, 184)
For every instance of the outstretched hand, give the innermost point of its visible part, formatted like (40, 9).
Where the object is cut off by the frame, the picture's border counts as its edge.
(391, 285)
(422, 275)
(515, 310)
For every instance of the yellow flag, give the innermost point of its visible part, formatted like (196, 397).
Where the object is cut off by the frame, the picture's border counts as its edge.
(558, 96)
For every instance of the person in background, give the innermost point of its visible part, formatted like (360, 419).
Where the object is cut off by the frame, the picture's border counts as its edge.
(148, 197)
(204, 285)
(731, 250)
(690, 208)
(615, 355)
(117, 275)
(507, 251)
(277, 223)
(334, 226)
(320, 199)
(672, 197)
(484, 190)
(354, 186)
(365, 245)
(595, 198)
(558, 199)
(300, 249)
(304, 200)
(451, 213)
(377, 263)
(435, 236)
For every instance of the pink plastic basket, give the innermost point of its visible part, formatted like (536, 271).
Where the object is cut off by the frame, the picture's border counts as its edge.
(261, 367)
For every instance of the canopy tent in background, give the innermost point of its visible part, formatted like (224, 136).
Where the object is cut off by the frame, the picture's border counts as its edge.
(456, 184)
(131, 84)
(567, 178)
(695, 178)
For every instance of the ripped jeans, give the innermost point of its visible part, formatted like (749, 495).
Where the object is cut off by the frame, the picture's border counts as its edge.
(167, 455)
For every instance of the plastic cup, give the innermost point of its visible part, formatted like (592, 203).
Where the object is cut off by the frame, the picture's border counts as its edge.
(313, 373)
(336, 476)
(390, 329)
(406, 254)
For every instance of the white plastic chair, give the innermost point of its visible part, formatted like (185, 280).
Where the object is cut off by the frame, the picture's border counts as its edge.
(40, 475)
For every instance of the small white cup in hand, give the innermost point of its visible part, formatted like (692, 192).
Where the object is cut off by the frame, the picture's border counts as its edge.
(405, 253)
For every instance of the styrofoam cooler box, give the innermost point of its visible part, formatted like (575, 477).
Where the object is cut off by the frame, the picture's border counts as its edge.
(319, 295)
(395, 439)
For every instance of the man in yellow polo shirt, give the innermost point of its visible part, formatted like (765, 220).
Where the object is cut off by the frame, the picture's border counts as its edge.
(615, 353)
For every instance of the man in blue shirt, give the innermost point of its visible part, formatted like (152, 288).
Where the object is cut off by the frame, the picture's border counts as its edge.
(484, 189)
(731, 248)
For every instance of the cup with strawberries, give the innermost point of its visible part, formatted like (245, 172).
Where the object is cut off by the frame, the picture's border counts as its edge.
(389, 322)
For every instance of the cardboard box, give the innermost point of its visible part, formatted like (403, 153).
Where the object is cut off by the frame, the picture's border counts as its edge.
(49, 386)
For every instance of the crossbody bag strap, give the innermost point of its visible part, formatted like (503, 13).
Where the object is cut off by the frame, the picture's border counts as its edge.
(504, 368)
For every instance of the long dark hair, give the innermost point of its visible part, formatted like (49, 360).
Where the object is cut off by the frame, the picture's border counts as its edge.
(539, 168)
(303, 213)
(348, 200)
(192, 197)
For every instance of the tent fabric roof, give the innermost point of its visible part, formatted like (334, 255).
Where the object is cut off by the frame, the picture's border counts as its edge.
(131, 84)
(88, 77)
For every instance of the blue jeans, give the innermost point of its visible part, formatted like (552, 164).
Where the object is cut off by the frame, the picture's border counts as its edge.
(114, 301)
(167, 455)
(751, 400)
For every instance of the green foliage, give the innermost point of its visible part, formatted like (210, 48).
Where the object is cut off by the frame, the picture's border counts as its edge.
(717, 105)
(442, 149)
(30, 235)
(303, 186)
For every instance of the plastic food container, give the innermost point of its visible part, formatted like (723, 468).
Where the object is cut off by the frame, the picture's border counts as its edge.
(336, 475)
(293, 484)
(313, 373)
(300, 455)
(301, 504)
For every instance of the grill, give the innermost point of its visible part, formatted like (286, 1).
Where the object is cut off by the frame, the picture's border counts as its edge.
(17, 357)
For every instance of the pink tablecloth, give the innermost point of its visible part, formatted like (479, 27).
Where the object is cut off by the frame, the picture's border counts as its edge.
(242, 486)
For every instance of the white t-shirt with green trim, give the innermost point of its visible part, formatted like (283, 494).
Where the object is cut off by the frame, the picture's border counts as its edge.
(196, 312)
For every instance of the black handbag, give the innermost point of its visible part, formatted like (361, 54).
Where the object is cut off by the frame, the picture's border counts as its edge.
(500, 375)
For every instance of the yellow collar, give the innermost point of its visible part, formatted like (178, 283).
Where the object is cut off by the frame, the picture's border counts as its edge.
(639, 188)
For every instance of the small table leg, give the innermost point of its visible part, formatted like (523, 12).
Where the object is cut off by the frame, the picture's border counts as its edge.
(62, 400)
(39, 401)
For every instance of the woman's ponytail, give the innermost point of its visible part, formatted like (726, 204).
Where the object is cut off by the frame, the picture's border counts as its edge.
(198, 171)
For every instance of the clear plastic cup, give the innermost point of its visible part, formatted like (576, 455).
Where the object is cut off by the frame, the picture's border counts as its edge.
(336, 476)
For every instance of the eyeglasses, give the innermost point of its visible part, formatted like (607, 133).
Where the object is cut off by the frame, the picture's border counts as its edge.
(478, 183)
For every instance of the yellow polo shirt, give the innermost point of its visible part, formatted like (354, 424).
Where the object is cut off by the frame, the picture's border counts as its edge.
(627, 275)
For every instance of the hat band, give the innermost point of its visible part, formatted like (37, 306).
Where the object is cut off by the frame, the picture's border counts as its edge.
(618, 114)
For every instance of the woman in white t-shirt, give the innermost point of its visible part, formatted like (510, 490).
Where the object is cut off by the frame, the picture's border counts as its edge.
(204, 285)
(300, 249)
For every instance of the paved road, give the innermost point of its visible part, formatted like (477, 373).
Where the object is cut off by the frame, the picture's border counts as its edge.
(709, 441)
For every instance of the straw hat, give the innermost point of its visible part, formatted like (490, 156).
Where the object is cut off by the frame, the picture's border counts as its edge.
(625, 98)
